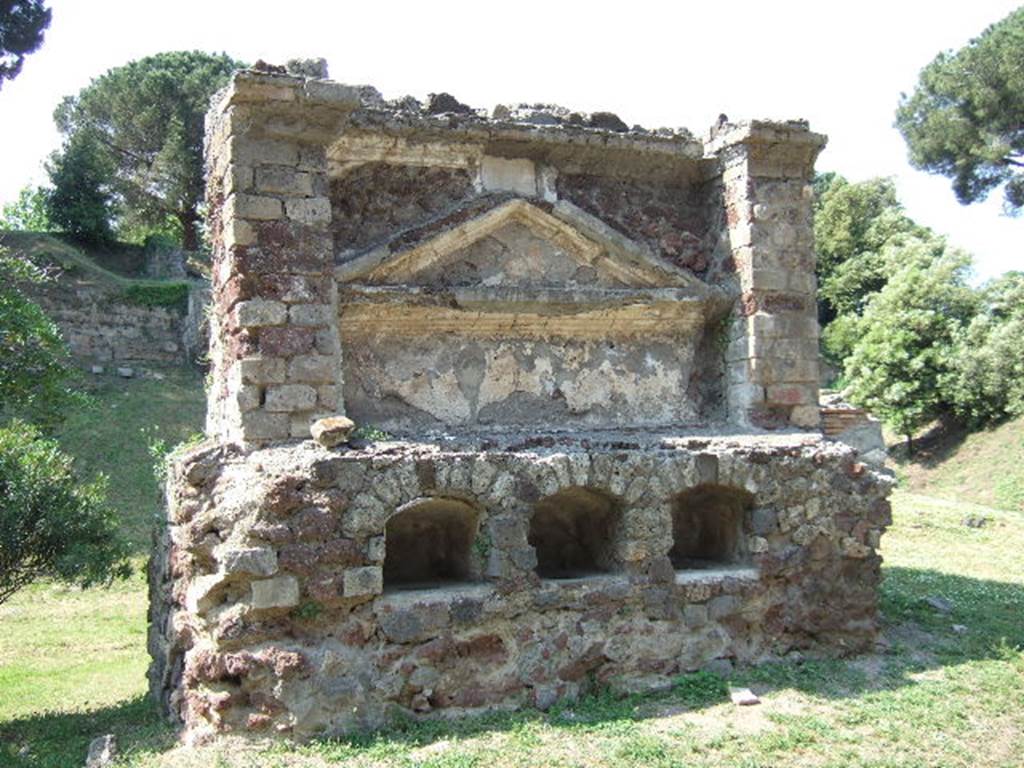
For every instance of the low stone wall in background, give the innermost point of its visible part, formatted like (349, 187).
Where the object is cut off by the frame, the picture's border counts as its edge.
(102, 325)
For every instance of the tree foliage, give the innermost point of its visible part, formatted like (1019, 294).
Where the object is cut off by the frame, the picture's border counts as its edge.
(133, 144)
(29, 213)
(854, 223)
(35, 373)
(22, 23)
(905, 348)
(965, 118)
(52, 525)
(82, 202)
(988, 381)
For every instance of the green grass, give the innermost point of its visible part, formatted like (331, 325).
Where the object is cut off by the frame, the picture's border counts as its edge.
(114, 433)
(984, 467)
(72, 662)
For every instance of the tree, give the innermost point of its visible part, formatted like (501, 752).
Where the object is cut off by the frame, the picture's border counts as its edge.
(51, 525)
(81, 202)
(29, 213)
(138, 129)
(987, 383)
(22, 23)
(35, 374)
(859, 231)
(965, 118)
(904, 352)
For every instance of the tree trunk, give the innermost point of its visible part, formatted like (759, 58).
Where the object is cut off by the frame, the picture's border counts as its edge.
(189, 231)
(910, 445)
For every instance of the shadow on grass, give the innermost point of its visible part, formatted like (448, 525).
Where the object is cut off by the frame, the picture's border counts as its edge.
(918, 636)
(930, 449)
(61, 739)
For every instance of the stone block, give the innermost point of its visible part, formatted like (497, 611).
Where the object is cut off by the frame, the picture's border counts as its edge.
(263, 151)
(237, 232)
(300, 424)
(262, 370)
(808, 416)
(695, 616)
(328, 92)
(256, 561)
(279, 592)
(310, 314)
(764, 521)
(285, 181)
(327, 397)
(262, 425)
(792, 394)
(500, 174)
(255, 207)
(238, 178)
(290, 397)
(407, 625)
(313, 369)
(314, 210)
(722, 606)
(286, 341)
(363, 582)
(259, 312)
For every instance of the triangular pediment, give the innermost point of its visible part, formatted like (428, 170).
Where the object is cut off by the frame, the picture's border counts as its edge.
(514, 243)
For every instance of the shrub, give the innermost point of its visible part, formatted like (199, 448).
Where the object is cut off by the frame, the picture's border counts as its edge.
(35, 373)
(51, 525)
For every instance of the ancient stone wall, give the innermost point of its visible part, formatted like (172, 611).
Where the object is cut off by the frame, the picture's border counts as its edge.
(596, 350)
(278, 604)
(101, 326)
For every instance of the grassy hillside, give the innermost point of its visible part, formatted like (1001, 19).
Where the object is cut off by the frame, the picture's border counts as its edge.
(114, 434)
(984, 467)
(115, 263)
(72, 662)
(116, 267)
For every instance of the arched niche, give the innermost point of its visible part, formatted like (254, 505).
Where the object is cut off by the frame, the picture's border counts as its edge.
(572, 532)
(707, 526)
(428, 542)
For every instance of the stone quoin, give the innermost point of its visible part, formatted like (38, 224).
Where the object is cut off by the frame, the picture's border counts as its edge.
(582, 361)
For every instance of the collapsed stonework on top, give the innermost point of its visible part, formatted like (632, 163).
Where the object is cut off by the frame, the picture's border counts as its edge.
(589, 356)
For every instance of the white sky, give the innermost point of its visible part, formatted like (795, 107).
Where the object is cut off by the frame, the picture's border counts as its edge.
(841, 65)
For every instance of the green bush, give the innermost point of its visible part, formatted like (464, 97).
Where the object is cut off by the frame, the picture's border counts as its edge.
(35, 373)
(51, 525)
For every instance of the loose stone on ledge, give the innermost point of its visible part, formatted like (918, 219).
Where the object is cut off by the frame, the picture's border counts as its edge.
(332, 431)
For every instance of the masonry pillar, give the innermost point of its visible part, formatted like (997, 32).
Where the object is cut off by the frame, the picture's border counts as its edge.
(275, 352)
(772, 357)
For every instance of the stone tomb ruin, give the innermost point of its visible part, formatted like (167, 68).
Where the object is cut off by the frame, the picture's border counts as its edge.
(594, 353)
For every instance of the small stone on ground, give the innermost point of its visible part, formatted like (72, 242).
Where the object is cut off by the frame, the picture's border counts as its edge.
(102, 751)
(743, 697)
(940, 604)
(125, 373)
